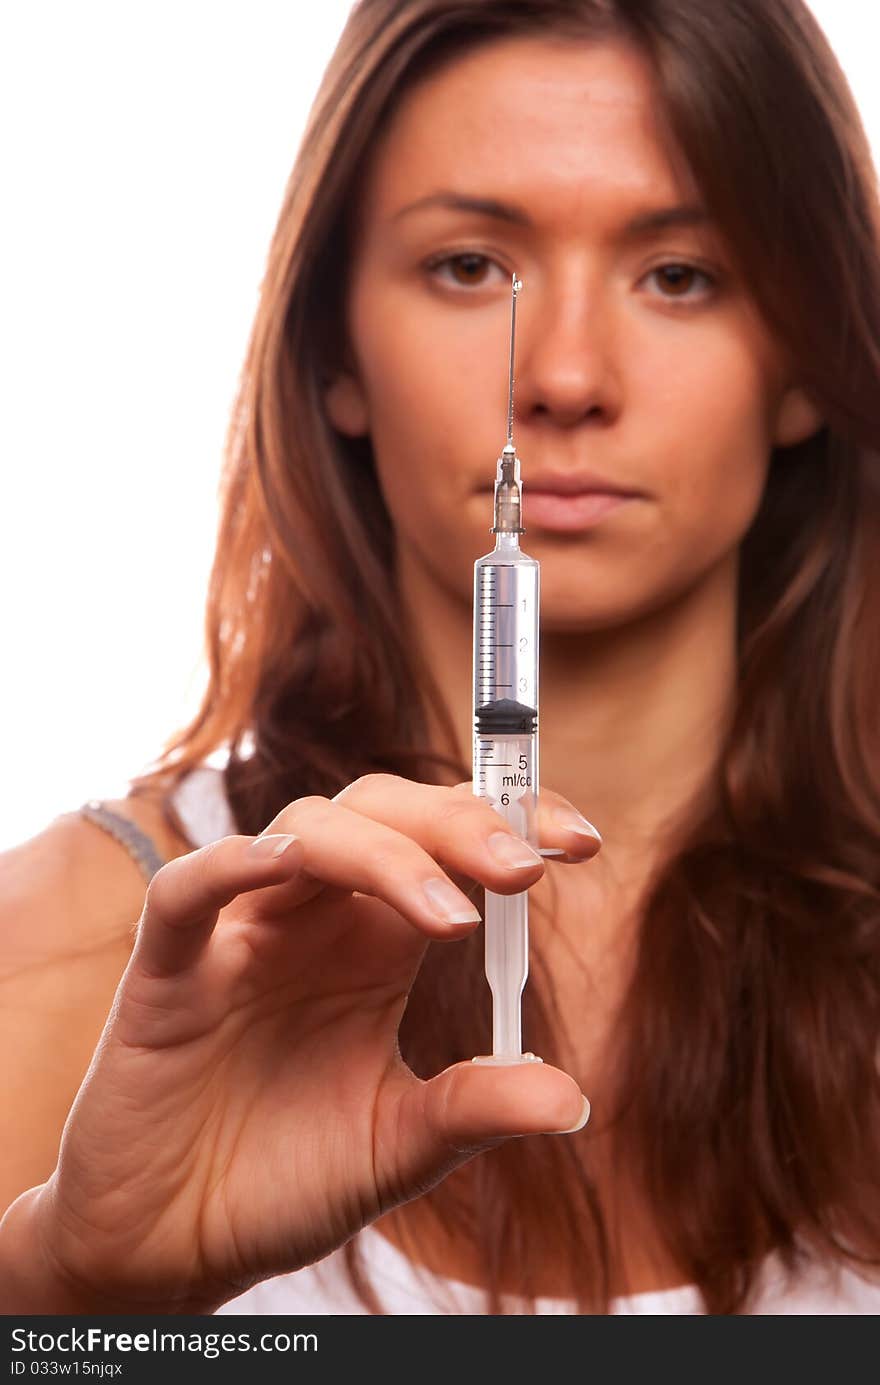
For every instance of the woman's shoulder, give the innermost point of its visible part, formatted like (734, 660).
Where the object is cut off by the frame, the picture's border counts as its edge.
(141, 831)
(70, 900)
(74, 884)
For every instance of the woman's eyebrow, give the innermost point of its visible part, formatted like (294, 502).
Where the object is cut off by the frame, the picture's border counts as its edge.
(644, 223)
(460, 202)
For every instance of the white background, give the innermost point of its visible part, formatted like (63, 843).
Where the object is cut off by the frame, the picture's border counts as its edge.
(145, 152)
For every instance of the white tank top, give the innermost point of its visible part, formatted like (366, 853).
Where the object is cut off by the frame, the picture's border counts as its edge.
(406, 1289)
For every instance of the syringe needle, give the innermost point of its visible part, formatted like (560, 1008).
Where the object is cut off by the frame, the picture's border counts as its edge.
(508, 497)
(515, 286)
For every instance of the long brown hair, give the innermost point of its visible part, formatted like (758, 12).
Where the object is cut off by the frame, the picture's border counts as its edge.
(747, 1099)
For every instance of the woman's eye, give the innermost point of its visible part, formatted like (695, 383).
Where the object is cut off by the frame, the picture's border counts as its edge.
(466, 270)
(470, 269)
(678, 280)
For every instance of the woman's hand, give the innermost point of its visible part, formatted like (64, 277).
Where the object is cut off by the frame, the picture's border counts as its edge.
(246, 1110)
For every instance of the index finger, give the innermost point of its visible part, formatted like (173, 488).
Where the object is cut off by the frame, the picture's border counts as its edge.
(562, 829)
(423, 810)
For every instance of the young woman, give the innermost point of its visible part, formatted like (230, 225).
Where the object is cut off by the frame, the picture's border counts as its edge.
(690, 203)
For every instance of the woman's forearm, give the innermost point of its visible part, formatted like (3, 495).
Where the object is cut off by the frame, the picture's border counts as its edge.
(30, 1282)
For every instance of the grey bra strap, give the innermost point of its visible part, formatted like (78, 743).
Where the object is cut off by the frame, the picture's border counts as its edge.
(136, 842)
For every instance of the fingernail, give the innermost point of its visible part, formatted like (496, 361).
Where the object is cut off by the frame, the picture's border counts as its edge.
(273, 844)
(575, 822)
(449, 903)
(512, 852)
(585, 1116)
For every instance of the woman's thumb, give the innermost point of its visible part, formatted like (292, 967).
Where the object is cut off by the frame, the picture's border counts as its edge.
(471, 1107)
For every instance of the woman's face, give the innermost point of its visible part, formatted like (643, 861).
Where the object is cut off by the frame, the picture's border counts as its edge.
(640, 356)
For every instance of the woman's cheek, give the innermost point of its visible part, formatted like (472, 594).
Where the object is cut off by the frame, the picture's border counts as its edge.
(710, 505)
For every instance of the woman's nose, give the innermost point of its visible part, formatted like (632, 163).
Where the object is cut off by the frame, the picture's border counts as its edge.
(566, 361)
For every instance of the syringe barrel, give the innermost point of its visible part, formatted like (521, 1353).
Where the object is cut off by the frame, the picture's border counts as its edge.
(506, 613)
(506, 604)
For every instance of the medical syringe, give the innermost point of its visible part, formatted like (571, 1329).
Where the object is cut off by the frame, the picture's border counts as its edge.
(506, 602)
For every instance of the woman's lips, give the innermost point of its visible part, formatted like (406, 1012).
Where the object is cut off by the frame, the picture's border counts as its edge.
(550, 510)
